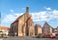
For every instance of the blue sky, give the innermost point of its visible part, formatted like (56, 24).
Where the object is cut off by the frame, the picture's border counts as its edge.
(41, 10)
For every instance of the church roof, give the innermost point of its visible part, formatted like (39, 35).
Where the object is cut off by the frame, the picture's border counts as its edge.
(27, 10)
(18, 18)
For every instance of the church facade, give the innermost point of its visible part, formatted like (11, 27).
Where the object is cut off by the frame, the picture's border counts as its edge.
(23, 25)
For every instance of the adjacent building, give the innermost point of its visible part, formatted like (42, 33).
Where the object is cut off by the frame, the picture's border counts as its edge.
(23, 25)
(38, 29)
(47, 29)
(56, 30)
(4, 31)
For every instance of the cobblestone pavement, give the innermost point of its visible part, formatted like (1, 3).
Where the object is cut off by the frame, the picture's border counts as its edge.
(26, 38)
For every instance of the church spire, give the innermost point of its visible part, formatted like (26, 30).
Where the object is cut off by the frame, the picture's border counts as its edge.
(27, 10)
(27, 7)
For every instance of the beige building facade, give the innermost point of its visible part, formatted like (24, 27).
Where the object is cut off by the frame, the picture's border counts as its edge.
(38, 29)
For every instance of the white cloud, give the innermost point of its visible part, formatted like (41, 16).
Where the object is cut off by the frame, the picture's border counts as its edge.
(11, 17)
(36, 16)
(54, 14)
(40, 16)
(11, 10)
(45, 15)
(47, 8)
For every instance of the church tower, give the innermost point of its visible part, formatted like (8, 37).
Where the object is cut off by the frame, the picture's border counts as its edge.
(27, 14)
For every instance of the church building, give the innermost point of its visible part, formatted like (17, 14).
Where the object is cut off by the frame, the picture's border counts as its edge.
(23, 25)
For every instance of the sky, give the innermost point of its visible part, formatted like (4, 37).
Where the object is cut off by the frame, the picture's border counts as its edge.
(41, 10)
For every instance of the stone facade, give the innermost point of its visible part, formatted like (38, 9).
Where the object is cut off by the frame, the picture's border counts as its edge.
(23, 25)
(38, 29)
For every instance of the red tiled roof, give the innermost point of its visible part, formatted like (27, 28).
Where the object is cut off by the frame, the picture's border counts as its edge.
(39, 26)
(4, 28)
